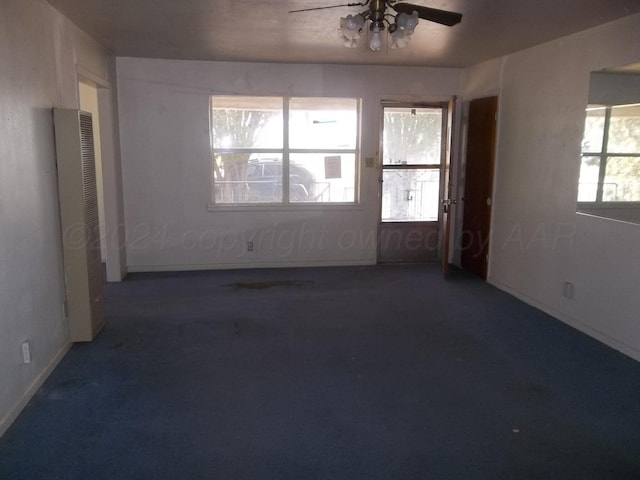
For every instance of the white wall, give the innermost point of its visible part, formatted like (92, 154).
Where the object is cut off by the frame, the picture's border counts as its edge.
(166, 164)
(38, 50)
(538, 241)
(96, 67)
(614, 89)
(114, 233)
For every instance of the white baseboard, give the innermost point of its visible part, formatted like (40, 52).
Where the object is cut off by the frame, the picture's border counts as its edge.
(232, 266)
(572, 322)
(6, 422)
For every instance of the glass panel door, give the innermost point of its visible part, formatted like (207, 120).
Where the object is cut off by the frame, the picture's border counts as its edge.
(412, 154)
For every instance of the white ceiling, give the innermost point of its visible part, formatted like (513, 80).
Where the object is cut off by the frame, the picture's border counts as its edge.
(263, 30)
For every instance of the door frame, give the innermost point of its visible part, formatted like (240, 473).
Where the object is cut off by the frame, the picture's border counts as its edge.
(448, 199)
(114, 232)
(448, 106)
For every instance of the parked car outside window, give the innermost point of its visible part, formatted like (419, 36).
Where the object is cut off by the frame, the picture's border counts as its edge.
(264, 181)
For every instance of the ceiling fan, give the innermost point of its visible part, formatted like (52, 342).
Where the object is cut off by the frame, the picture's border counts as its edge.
(400, 25)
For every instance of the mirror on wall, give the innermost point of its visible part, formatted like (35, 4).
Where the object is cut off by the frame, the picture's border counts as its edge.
(609, 183)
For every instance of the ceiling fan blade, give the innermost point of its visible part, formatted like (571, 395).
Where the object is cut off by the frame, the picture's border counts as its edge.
(330, 6)
(432, 14)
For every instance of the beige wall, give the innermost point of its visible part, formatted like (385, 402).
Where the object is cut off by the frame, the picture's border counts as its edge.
(39, 49)
(166, 164)
(538, 241)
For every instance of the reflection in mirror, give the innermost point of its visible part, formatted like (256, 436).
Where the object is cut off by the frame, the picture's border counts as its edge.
(609, 184)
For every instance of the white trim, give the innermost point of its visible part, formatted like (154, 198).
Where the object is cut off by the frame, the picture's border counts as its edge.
(285, 152)
(84, 74)
(635, 205)
(280, 207)
(234, 266)
(567, 319)
(8, 420)
(604, 217)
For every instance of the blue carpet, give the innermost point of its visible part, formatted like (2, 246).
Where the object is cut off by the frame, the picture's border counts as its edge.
(384, 372)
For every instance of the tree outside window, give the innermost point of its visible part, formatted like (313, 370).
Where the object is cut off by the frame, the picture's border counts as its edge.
(274, 150)
(610, 165)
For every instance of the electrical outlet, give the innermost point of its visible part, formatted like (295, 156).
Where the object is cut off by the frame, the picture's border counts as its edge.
(250, 246)
(26, 352)
(567, 290)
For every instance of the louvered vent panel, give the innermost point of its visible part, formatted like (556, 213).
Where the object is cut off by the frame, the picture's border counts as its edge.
(90, 195)
(79, 208)
(89, 186)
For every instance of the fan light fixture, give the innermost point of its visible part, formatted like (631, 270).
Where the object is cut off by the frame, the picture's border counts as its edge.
(401, 27)
(400, 24)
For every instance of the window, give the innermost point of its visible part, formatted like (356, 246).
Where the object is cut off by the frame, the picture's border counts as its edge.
(412, 156)
(610, 163)
(273, 150)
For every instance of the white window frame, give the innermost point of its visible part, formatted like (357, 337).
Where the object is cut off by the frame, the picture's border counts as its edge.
(286, 151)
(390, 167)
(603, 154)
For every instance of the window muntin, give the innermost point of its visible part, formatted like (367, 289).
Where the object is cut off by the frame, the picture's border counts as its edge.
(323, 123)
(593, 130)
(621, 180)
(272, 150)
(322, 177)
(423, 126)
(610, 165)
(411, 163)
(410, 195)
(624, 129)
(238, 181)
(589, 174)
(246, 122)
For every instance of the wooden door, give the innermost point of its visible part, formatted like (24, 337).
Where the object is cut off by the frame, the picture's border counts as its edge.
(478, 189)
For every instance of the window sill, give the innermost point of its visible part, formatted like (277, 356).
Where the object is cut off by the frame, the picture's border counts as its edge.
(277, 207)
(609, 205)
